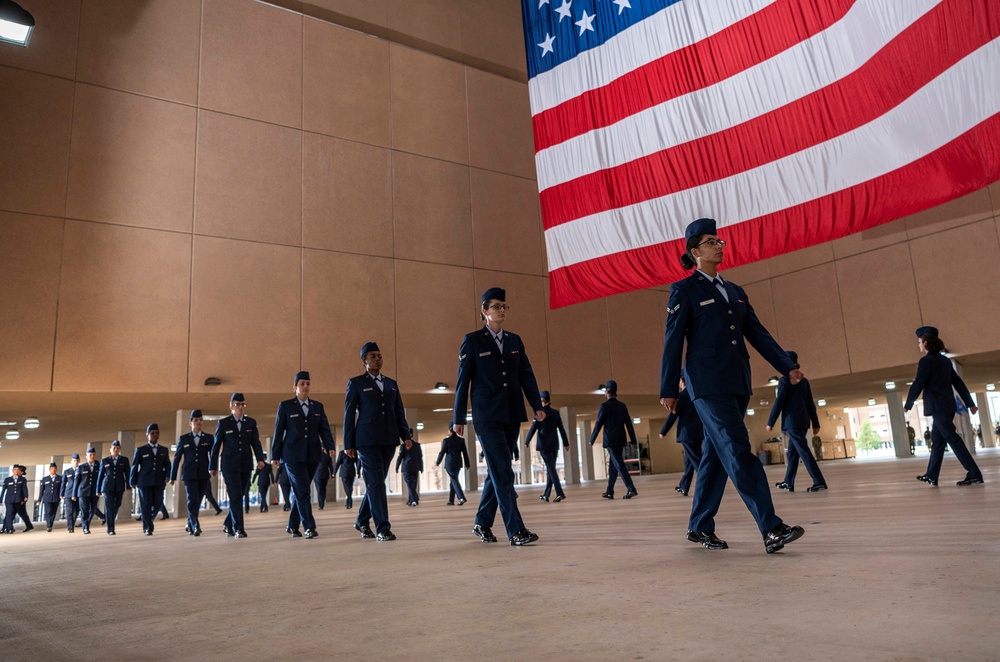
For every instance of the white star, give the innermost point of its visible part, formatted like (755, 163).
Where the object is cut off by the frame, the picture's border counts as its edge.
(622, 5)
(541, 3)
(586, 22)
(563, 10)
(546, 45)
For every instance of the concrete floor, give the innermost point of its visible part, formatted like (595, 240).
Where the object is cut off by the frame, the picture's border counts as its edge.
(889, 569)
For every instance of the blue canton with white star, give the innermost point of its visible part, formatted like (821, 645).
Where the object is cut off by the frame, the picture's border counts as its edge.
(559, 30)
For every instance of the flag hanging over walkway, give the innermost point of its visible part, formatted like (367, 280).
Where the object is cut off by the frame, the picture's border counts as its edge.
(791, 122)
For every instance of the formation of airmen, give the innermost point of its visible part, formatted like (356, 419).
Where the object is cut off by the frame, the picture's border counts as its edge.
(704, 383)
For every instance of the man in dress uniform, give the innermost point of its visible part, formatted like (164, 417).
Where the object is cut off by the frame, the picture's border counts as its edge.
(301, 434)
(66, 492)
(690, 435)
(150, 469)
(374, 423)
(112, 481)
(264, 477)
(14, 496)
(412, 461)
(494, 366)
(195, 448)
(237, 442)
(48, 494)
(347, 468)
(85, 489)
(613, 416)
(795, 404)
(548, 446)
(456, 456)
(715, 320)
(322, 478)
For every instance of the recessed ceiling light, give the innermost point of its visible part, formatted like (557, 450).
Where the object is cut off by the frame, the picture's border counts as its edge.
(871, 402)
(890, 385)
(420, 426)
(821, 402)
(637, 420)
(441, 386)
(750, 412)
(991, 387)
(13, 434)
(31, 423)
(442, 410)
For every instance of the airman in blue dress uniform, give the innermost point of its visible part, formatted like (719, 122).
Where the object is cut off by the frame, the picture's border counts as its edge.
(690, 435)
(411, 460)
(85, 489)
(347, 468)
(237, 443)
(795, 404)
(14, 496)
(715, 320)
(48, 495)
(614, 418)
(195, 448)
(70, 506)
(150, 469)
(455, 456)
(547, 446)
(112, 481)
(494, 367)
(936, 378)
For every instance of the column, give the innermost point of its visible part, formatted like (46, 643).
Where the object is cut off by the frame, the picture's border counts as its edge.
(897, 423)
(129, 439)
(472, 473)
(963, 422)
(986, 420)
(585, 450)
(527, 473)
(172, 498)
(571, 455)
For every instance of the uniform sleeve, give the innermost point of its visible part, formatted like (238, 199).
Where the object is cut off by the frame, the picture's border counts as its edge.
(340, 461)
(177, 459)
(403, 427)
(258, 450)
(630, 427)
(133, 477)
(213, 463)
(100, 476)
(963, 390)
(562, 430)
(598, 424)
(678, 314)
(278, 439)
(667, 424)
(919, 382)
(762, 340)
(811, 405)
(351, 401)
(466, 371)
(465, 453)
(531, 431)
(779, 401)
(326, 433)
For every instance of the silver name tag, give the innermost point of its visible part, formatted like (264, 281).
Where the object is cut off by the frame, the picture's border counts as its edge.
(485, 353)
(705, 303)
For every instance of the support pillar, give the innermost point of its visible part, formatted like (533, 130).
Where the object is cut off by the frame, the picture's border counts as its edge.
(176, 492)
(963, 422)
(986, 420)
(585, 450)
(527, 468)
(472, 473)
(897, 423)
(571, 455)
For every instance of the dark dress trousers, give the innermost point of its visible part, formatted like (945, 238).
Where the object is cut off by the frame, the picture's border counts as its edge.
(71, 507)
(299, 441)
(615, 420)
(85, 491)
(690, 435)
(48, 495)
(548, 447)
(196, 452)
(264, 479)
(150, 469)
(322, 477)
(456, 457)
(412, 463)
(285, 485)
(13, 495)
(716, 328)
(234, 451)
(374, 424)
(936, 378)
(347, 469)
(112, 481)
(794, 403)
(497, 380)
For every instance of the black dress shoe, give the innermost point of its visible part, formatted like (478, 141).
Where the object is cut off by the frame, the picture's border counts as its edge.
(560, 498)
(817, 487)
(450, 503)
(295, 533)
(386, 535)
(785, 486)
(311, 533)
(543, 498)
(925, 479)
(365, 531)
(523, 537)
(484, 533)
(630, 494)
(970, 481)
(197, 532)
(164, 516)
(680, 490)
(103, 522)
(241, 534)
(607, 496)
(49, 529)
(461, 502)
(187, 528)
(230, 532)
(111, 533)
(85, 531)
(148, 533)
(780, 536)
(707, 540)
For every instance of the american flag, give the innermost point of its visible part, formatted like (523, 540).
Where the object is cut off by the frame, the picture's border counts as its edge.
(791, 122)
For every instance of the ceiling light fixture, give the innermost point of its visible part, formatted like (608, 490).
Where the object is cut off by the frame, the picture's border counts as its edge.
(772, 381)
(991, 387)
(16, 24)
(420, 426)
(890, 386)
(821, 402)
(213, 381)
(637, 420)
(871, 402)
(441, 386)
(13, 434)
(31, 423)
(750, 412)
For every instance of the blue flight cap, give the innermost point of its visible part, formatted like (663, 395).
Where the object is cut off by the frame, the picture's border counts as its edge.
(611, 386)
(151, 427)
(701, 226)
(545, 395)
(793, 356)
(929, 331)
(496, 293)
(237, 397)
(116, 443)
(451, 425)
(74, 456)
(91, 450)
(300, 375)
(371, 346)
(196, 413)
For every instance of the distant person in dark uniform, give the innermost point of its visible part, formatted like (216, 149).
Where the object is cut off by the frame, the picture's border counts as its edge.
(112, 481)
(150, 469)
(48, 495)
(455, 456)
(795, 404)
(301, 435)
(285, 485)
(347, 468)
(412, 461)
(493, 366)
(690, 435)
(714, 319)
(614, 418)
(549, 431)
(264, 477)
(927, 438)
(70, 505)
(85, 489)
(936, 377)
(195, 448)
(322, 478)
(911, 436)
(14, 496)
(374, 423)
(237, 444)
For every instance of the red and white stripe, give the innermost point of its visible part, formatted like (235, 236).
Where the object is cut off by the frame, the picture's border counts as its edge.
(792, 122)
